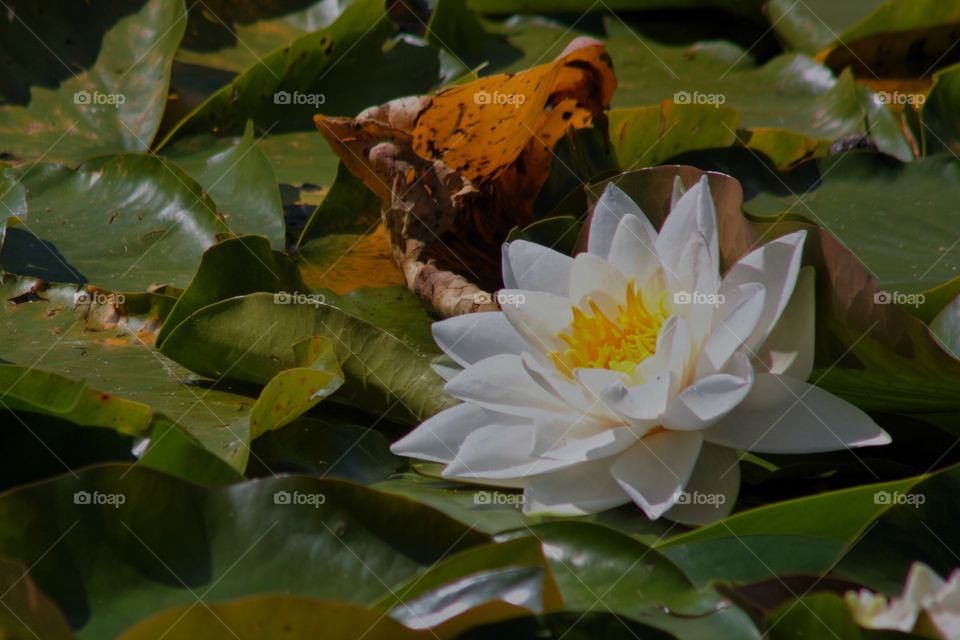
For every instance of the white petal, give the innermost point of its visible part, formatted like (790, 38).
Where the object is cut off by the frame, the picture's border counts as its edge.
(591, 274)
(711, 398)
(694, 276)
(633, 250)
(694, 215)
(734, 322)
(712, 490)
(579, 490)
(775, 265)
(612, 206)
(500, 383)
(438, 438)
(772, 419)
(539, 318)
(676, 193)
(563, 389)
(788, 349)
(537, 268)
(640, 403)
(472, 337)
(673, 355)
(946, 327)
(653, 471)
(922, 583)
(490, 450)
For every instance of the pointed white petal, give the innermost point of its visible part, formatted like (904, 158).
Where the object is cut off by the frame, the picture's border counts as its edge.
(500, 383)
(579, 490)
(776, 266)
(490, 450)
(712, 490)
(694, 215)
(734, 322)
(711, 398)
(538, 268)
(612, 206)
(634, 248)
(653, 471)
(591, 274)
(439, 437)
(538, 318)
(788, 349)
(568, 392)
(785, 415)
(677, 192)
(472, 337)
(673, 355)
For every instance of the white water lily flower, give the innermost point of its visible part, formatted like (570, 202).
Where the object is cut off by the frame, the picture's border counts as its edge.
(634, 372)
(924, 591)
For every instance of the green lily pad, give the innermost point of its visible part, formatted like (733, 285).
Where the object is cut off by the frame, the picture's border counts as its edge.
(318, 72)
(117, 543)
(898, 219)
(123, 222)
(65, 97)
(239, 178)
(263, 269)
(647, 136)
(250, 339)
(293, 392)
(266, 617)
(112, 351)
(234, 35)
(326, 446)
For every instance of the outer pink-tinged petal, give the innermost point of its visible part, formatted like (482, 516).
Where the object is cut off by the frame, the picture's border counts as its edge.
(776, 266)
(788, 349)
(440, 436)
(472, 337)
(612, 206)
(734, 322)
(711, 398)
(786, 415)
(579, 490)
(539, 318)
(634, 248)
(535, 267)
(711, 492)
(501, 384)
(653, 471)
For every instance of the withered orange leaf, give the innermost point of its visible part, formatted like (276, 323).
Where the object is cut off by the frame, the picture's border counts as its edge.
(456, 171)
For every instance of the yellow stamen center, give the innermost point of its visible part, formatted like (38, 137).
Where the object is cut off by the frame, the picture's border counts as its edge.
(619, 343)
